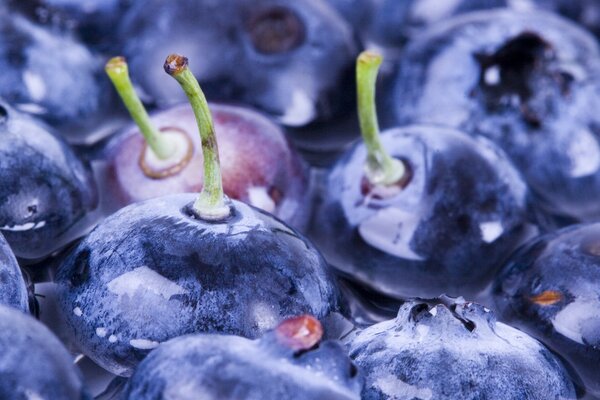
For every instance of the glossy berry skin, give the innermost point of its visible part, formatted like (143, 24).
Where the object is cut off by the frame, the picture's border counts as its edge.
(152, 272)
(527, 81)
(397, 22)
(13, 291)
(290, 59)
(33, 362)
(459, 351)
(46, 189)
(460, 215)
(50, 75)
(231, 367)
(258, 165)
(551, 290)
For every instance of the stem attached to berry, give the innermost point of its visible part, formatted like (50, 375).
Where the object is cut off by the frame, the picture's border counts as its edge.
(211, 203)
(381, 169)
(118, 72)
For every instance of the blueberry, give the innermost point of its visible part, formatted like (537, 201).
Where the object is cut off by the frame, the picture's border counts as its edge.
(13, 291)
(50, 75)
(288, 58)
(584, 12)
(233, 367)
(460, 214)
(153, 271)
(46, 190)
(259, 165)
(92, 20)
(455, 351)
(33, 363)
(396, 22)
(527, 81)
(551, 290)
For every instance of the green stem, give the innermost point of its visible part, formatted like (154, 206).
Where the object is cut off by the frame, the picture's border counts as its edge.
(118, 72)
(381, 169)
(211, 201)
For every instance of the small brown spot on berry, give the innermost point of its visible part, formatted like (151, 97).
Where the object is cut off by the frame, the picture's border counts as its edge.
(275, 194)
(300, 333)
(275, 30)
(547, 298)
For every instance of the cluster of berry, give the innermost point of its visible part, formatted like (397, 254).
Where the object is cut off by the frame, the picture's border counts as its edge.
(219, 251)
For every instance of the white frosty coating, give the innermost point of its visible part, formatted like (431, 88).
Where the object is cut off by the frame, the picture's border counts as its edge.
(101, 332)
(422, 331)
(301, 376)
(112, 339)
(433, 10)
(397, 389)
(391, 230)
(584, 154)
(35, 85)
(491, 231)
(77, 311)
(178, 141)
(504, 339)
(143, 344)
(492, 76)
(438, 71)
(521, 5)
(434, 311)
(300, 111)
(24, 227)
(31, 395)
(187, 391)
(32, 108)
(259, 197)
(568, 321)
(264, 315)
(144, 279)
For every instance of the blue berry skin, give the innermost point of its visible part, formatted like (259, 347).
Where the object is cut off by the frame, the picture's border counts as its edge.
(93, 21)
(529, 82)
(231, 367)
(290, 59)
(434, 351)
(447, 231)
(13, 291)
(50, 75)
(33, 362)
(584, 12)
(152, 272)
(357, 12)
(46, 189)
(397, 22)
(551, 290)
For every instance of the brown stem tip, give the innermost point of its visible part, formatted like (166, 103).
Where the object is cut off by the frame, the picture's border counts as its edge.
(116, 63)
(175, 63)
(300, 333)
(370, 57)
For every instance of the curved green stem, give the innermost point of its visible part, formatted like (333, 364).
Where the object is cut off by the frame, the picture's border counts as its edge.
(381, 169)
(211, 201)
(118, 72)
